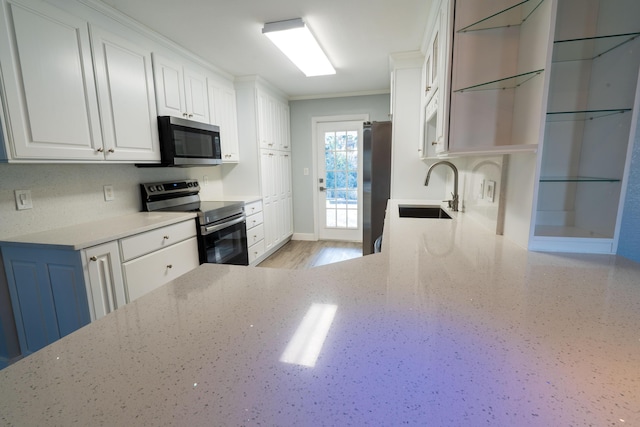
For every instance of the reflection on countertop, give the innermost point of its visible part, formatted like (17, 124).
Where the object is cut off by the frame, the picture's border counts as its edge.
(449, 325)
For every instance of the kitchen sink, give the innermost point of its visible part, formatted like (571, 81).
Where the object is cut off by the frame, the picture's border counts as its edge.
(422, 211)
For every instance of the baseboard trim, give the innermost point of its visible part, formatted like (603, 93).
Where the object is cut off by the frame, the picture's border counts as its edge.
(304, 236)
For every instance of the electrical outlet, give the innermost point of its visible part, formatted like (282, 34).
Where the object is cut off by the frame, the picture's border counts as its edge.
(205, 180)
(481, 190)
(108, 193)
(305, 171)
(23, 199)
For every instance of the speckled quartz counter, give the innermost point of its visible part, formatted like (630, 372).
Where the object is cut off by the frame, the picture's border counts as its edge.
(81, 236)
(449, 325)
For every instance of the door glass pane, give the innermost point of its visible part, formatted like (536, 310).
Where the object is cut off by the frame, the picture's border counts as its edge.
(341, 166)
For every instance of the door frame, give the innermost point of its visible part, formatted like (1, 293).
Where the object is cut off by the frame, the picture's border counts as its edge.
(314, 150)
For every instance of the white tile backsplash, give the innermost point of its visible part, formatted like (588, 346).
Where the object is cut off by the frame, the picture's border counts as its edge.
(66, 194)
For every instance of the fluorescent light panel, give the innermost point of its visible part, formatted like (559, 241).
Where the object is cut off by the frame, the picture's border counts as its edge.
(295, 40)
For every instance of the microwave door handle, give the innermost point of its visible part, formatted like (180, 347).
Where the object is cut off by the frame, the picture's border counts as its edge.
(218, 227)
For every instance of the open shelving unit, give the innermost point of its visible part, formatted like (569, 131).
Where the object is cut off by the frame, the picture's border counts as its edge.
(507, 17)
(498, 76)
(588, 127)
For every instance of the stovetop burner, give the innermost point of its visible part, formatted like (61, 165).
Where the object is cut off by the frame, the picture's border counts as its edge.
(183, 196)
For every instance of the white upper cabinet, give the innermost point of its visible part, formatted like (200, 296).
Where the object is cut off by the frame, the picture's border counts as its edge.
(222, 110)
(181, 91)
(195, 85)
(435, 85)
(124, 78)
(273, 122)
(49, 88)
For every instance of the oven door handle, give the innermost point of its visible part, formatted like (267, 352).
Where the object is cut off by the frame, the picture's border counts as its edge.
(218, 227)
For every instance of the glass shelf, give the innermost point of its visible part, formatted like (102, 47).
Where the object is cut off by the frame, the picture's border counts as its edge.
(576, 116)
(577, 179)
(510, 17)
(506, 83)
(589, 47)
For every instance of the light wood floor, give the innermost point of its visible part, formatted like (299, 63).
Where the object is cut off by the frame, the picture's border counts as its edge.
(300, 255)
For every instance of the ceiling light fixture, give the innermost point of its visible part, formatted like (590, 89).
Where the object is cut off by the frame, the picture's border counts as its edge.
(295, 40)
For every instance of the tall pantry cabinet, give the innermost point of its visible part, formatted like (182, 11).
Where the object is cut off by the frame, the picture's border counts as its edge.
(590, 121)
(265, 169)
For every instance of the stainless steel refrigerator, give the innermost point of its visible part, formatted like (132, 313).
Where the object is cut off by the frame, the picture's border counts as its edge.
(376, 177)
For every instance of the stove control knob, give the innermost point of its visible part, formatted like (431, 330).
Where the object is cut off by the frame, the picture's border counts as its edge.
(152, 189)
(189, 184)
(159, 187)
(195, 183)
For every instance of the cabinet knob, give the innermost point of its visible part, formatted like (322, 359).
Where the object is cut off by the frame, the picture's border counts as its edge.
(428, 88)
(190, 115)
(111, 150)
(100, 150)
(434, 143)
(169, 266)
(184, 114)
(94, 258)
(166, 237)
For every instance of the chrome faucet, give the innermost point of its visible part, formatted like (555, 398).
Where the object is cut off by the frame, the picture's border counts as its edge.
(453, 204)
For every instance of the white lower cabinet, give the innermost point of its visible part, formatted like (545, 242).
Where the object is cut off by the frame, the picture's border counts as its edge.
(151, 271)
(106, 285)
(255, 231)
(123, 270)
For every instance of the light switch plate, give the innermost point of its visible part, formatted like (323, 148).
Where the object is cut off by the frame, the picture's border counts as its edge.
(108, 193)
(23, 199)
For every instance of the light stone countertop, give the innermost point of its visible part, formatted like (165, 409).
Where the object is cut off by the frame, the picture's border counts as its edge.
(449, 326)
(81, 236)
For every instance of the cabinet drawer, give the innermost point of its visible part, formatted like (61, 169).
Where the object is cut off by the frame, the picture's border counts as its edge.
(151, 271)
(144, 243)
(253, 207)
(254, 220)
(255, 235)
(256, 251)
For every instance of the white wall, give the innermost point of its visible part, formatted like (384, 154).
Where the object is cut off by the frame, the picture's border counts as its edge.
(66, 194)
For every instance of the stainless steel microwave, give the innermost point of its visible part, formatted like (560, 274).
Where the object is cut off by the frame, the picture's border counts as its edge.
(188, 143)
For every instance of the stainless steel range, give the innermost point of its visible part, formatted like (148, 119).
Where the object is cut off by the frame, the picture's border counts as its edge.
(222, 232)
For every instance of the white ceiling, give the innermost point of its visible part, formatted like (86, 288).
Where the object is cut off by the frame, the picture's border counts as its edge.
(357, 35)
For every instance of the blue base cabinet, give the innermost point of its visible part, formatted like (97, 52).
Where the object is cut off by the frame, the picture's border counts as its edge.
(48, 294)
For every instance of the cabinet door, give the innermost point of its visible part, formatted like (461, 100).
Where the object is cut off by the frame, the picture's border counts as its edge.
(285, 139)
(127, 101)
(222, 111)
(48, 83)
(169, 84)
(264, 118)
(106, 284)
(48, 294)
(433, 63)
(285, 195)
(270, 196)
(196, 98)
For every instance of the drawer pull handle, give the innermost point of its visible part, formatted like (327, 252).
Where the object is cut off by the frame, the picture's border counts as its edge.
(94, 258)
(166, 237)
(169, 266)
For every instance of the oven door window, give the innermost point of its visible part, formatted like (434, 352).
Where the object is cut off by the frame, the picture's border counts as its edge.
(227, 246)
